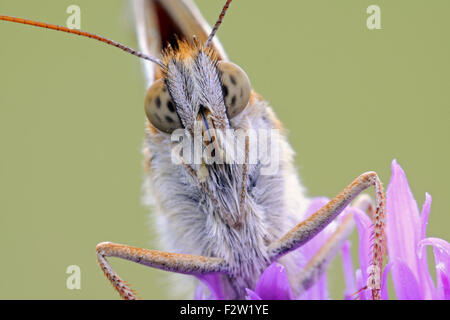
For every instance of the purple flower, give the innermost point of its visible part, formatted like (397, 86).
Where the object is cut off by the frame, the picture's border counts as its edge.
(356, 281)
(319, 291)
(405, 232)
(210, 288)
(273, 285)
(406, 246)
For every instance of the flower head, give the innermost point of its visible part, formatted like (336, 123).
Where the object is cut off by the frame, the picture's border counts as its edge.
(406, 244)
(273, 285)
(405, 232)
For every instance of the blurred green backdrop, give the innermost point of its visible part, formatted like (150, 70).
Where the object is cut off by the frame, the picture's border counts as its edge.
(72, 121)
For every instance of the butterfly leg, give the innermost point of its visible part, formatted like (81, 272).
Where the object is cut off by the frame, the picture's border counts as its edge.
(317, 265)
(175, 262)
(307, 229)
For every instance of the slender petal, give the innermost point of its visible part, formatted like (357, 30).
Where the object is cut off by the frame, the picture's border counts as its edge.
(426, 208)
(199, 293)
(406, 285)
(317, 292)
(424, 274)
(321, 289)
(403, 227)
(384, 285)
(349, 274)
(213, 283)
(273, 284)
(364, 226)
(441, 249)
(402, 218)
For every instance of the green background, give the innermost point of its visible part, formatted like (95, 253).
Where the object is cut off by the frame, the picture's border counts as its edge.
(72, 122)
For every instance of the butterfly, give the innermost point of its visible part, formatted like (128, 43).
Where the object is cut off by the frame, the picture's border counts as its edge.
(219, 168)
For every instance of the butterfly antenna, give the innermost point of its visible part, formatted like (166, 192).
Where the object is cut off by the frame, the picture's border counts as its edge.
(218, 23)
(84, 34)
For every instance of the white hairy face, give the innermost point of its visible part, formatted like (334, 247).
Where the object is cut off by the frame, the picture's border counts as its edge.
(197, 88)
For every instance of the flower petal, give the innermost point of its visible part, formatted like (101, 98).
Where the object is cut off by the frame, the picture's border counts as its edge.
(425, 278)
(273, 284)
(319, 291)
(347, 265)
(441, 250)
(364, 226)
(424, 215)
(384, 289)
(445, 281)
(199, 292)
(251, 295)
(406, 285)
(213, 283)
(403, 226)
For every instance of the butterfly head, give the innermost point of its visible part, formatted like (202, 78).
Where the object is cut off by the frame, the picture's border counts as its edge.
(196, 87)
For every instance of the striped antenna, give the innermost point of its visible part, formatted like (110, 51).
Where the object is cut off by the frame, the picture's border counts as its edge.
(218, 23)
(84, 34)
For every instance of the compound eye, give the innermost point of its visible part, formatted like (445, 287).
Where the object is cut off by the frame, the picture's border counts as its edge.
(235, 87)
(160, 109)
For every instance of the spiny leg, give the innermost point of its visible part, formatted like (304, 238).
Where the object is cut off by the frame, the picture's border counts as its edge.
(175, 262)
(307, 229)
(364, 203)
(317, 265)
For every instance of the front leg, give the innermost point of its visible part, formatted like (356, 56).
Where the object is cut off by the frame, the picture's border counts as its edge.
(307, 229)
(174, 262)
